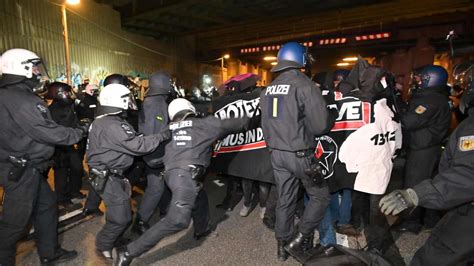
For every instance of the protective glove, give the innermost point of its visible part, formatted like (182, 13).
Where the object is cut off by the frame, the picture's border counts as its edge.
(165, 133)
(397, 201)
(84, 125)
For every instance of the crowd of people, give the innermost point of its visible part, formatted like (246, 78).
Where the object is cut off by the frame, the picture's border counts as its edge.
(330, 141)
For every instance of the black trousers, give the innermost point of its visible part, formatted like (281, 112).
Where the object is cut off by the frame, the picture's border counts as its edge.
(118, 213)
(184, 201)
(271, 204)
(248, 189)
(451, 241)
(154, 190)
(93, 200)
(29, 199)
(421, 165)
(68, 174)
(289, 170)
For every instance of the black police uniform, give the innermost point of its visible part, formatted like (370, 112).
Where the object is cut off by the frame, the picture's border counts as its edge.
(293, 112)
(452, 189)
(152, 119)
(67, 166)
(29, 132)
(189, 148)
(112, 144)
(426, 123)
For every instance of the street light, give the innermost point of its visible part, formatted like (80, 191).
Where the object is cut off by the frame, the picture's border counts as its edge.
(66, 37)
(226, 56)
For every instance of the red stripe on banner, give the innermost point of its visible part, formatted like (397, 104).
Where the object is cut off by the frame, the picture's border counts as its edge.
(347, 125)
(366, 112)
(245, 147)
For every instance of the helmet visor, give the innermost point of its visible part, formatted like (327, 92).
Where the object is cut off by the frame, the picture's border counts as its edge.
(40, 75)
(132, 104)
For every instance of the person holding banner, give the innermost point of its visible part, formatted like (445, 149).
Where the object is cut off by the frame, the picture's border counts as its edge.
(293, 113)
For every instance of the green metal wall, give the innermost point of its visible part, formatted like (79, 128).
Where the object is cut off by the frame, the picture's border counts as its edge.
(98, 45)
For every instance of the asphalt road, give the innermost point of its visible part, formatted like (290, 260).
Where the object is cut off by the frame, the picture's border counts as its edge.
(236, 241)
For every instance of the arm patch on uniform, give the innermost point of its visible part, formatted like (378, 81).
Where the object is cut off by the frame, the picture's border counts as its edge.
(43, 110)
(420, 109)
(466, 143)
(128, 130)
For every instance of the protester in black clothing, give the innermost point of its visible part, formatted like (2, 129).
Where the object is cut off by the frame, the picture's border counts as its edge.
(152, 119)
(67, 165)
(27, 140)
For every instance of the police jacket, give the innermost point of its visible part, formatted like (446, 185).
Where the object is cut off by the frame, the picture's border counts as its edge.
(454, 183)
(293, 112)
(427, 118)
(65, 116)
(152, 119)
(27, 127)
(113, 143)
(87, 107)
(191, 140)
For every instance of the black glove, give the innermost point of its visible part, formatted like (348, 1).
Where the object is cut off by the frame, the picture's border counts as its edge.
(165, 133)
(397, 201)
(84, 125)
(315, 171)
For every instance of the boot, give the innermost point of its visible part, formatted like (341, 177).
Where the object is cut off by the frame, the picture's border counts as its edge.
(139, 226)
(122, 257)
(300, 246)
(61, 255)
(281, 252)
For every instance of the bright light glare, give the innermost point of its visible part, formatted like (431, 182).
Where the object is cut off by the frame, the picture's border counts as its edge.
(270, 58)
(350, 59)
(226, 56)
(207, 80)
(343, 64)
(274, 63)
(73, 2)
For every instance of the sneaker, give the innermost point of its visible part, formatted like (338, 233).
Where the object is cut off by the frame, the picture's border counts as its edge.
(262, 212)
(244, 212)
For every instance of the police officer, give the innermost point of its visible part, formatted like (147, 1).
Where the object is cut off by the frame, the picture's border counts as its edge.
(186, 158)
(452, 189)
(27, 138)
(293, 112)
(91, 206)
(152, 119)
(67, 159)
(426, 123)
(112, 144)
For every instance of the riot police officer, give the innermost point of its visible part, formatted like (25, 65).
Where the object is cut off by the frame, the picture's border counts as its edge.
(27, 138)
(67, 159)
(186, 158)
(452, 189)
(293, 112)
(91, 206)
(152, 119)
(426, 123)
(112, 144)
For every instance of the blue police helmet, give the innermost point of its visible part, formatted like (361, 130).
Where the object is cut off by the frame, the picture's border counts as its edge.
(432, 76)
(291, 55)
(340, 74)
